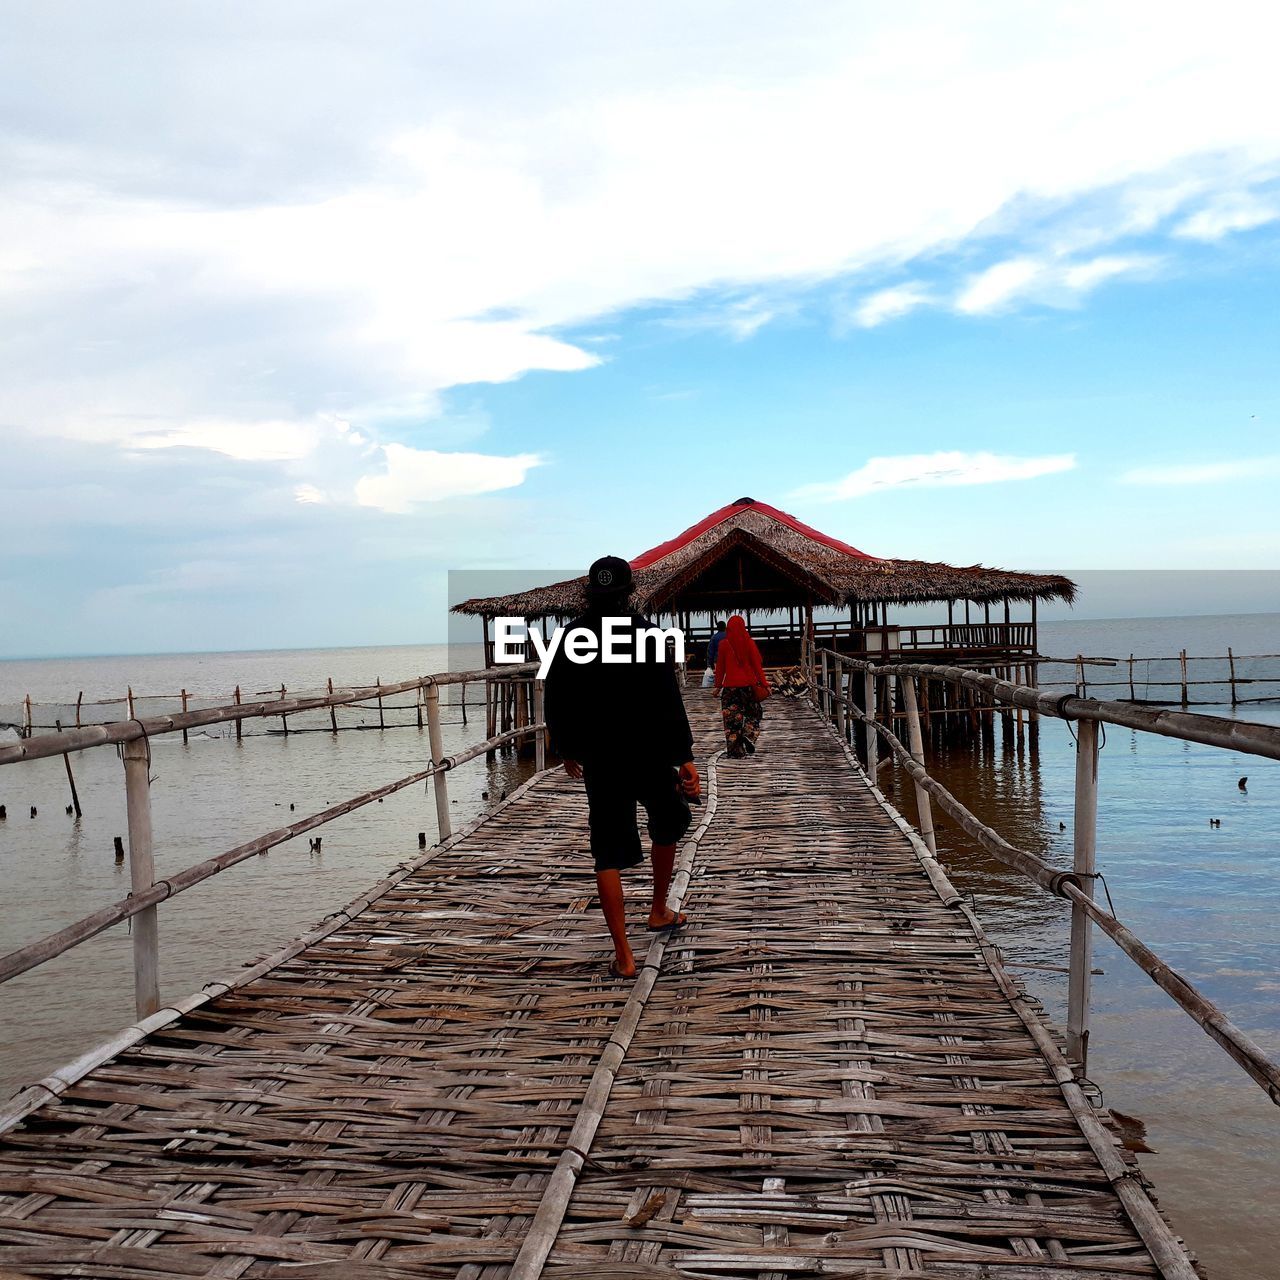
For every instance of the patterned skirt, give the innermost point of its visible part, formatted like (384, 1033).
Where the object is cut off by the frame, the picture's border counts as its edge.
(742, 714)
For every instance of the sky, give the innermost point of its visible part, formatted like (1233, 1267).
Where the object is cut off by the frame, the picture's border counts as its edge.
(303, 305)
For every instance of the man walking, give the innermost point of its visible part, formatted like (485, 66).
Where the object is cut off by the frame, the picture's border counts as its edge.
(621, 727)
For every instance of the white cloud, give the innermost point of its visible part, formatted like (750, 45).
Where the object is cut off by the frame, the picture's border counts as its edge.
(889, 304)
(1046, 280)
(931, 470)
(247, 441)
(415, 476)
(339, 228)
(1241, 211)
(1204, 472)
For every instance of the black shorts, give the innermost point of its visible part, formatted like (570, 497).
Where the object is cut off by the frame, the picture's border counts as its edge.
(613, 790)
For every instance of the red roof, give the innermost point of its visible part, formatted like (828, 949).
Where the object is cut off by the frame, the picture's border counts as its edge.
(654, 554)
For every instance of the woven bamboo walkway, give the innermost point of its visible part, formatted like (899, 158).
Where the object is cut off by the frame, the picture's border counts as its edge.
(828, 1077)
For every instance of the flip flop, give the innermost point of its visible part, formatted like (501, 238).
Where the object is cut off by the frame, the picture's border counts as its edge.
(680, 918)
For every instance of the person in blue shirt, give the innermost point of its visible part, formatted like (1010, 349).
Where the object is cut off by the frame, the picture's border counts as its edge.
(709, 676)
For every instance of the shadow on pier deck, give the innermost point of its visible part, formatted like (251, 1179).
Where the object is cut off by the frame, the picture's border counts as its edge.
(832, 1075)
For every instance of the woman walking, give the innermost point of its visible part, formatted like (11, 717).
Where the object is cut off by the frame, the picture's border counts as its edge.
(741, 680)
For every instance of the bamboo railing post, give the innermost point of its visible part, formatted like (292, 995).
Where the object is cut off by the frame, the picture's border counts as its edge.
(239, 722)
(382, 724)
(1182, 663)
(871, 740)
(1084, 847)
(540, 734)
(1133, 697)
(79, 701)
(824, 694)
(26, 717)
(129, 700)
(146, 941)
(1231, 663)
(439, 779)
(490, 715)
(284, 719)
(333, 712)
(184, 709)
(838, 694)
(915, 741)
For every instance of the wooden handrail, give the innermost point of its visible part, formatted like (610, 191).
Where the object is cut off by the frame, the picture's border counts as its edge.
(117, 731)
(1213, 731)
(1243, 1050)
(54, 944)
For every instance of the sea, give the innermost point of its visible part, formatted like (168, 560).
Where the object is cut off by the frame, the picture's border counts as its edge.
(1204, 896)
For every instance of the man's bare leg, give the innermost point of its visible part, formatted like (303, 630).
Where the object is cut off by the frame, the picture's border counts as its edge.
(663, 858)
(612, 903)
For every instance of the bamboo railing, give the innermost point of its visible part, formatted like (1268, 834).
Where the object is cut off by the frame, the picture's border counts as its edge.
(133, 736)
(840, 699)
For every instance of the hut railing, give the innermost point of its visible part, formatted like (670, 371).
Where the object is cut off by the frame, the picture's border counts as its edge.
(133, 738)
(852, 690)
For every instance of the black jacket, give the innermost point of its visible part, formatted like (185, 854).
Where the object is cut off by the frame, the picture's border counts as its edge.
(629, 713)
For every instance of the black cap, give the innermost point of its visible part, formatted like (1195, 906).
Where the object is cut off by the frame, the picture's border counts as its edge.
(609, 576)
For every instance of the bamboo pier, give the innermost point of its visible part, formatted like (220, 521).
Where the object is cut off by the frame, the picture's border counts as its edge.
(827, 1071)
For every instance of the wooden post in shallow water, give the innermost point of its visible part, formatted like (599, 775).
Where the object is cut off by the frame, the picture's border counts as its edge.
(1084, 837)
(1182, 664)
(382, 724)
(1231, 665)
(71, 778)
(333, 711)
(184, 712)
(284, 720)
(239, 722)
(142, 874)
(915, 742)
(439, 779)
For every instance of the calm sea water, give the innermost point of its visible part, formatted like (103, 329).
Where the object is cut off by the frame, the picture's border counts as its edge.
(1205, 898)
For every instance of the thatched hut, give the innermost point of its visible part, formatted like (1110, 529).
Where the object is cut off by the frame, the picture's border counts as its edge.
(751, 558)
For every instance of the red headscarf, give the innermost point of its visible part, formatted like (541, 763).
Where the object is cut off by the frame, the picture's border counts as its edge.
(743, 664)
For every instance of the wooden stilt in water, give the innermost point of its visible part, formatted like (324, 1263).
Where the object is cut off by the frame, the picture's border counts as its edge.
(1182, 664)
(71, 779)
(1231, 663)
(284, 719)
(146, 942)
(439, 779)
(382, 723)
(79, 701)
(1084, 845)
(239, 722)
(184, 709)
(333, 711)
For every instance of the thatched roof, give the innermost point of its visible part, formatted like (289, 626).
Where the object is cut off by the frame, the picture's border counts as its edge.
(811, 563)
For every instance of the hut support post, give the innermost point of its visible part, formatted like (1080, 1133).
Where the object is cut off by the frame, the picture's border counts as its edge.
(916, 743)
(439, 779)
(1085, 848)
(870, 740)
(146, 937)
(540, 733)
